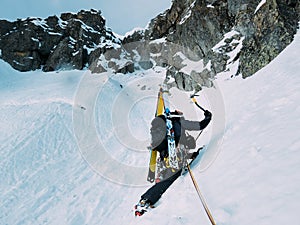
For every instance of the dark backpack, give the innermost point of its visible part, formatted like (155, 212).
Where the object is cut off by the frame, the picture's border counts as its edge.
(159, 135)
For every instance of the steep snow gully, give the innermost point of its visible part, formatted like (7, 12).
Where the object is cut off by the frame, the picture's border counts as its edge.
(50, 163)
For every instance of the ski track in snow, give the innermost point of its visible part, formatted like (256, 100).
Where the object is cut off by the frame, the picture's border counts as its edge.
(254, 179)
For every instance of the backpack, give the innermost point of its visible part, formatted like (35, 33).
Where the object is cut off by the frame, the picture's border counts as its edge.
(159, 135)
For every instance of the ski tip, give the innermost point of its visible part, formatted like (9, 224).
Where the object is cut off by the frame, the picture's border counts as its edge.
(163, 89)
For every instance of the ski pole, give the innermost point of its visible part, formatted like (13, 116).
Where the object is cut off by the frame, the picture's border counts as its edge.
(201, 197)
(199, 135)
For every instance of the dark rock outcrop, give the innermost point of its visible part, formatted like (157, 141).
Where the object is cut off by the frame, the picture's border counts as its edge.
(54, 43)
(201, 24)
(267, 31)
(274, 26)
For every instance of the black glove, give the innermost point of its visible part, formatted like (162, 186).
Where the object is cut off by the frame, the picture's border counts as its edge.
(207, 114)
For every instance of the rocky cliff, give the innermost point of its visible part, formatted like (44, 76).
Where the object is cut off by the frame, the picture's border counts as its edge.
(54, 43)
(266, 27)
(213, 34)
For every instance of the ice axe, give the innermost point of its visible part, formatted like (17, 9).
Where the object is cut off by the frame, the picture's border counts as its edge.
(200, 107)
(196, 103)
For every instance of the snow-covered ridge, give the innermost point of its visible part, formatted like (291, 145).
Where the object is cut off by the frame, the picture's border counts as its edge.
(137, 29)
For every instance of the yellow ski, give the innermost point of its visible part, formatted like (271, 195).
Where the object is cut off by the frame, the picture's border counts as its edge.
(160, 110)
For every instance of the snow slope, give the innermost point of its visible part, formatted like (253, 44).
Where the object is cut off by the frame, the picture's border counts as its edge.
(50, 173)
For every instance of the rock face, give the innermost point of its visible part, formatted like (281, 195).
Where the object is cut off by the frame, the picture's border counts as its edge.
(199, 25)
(54, 43)
(215, 34)
(274, 26)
